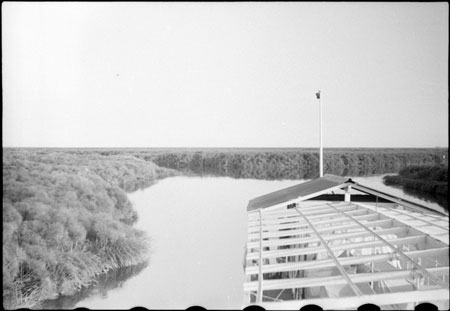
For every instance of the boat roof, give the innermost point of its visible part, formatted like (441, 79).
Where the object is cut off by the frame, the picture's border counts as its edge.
(311, 187)
(316, 187)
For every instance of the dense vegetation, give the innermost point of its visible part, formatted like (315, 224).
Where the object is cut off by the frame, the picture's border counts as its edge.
(432, 179)
(67, 219)
(292, 163)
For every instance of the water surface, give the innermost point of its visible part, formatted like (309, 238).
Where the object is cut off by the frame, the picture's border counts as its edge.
(198, 231)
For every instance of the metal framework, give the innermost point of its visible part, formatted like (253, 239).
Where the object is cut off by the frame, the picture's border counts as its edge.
(345, 254)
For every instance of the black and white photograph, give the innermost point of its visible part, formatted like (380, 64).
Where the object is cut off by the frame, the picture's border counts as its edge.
(225, 155)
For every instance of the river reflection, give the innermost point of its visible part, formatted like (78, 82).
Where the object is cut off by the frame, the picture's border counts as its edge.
(198, 229)
(276, 173)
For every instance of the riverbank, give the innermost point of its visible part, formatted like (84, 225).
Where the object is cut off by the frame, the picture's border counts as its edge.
(289, 163)
(427, 179)
(67, 219)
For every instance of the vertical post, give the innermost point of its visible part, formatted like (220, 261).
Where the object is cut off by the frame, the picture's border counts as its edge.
(321, 147)
(347, 194)
(260, 263)
(371, 271)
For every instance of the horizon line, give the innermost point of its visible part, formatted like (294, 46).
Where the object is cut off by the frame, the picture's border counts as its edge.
(141, 147)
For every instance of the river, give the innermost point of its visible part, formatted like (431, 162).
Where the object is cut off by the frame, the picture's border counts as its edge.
(198, 233)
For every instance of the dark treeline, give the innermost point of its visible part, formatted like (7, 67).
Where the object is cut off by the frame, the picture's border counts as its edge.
(292, 164)
(431, 179)
(67, 219)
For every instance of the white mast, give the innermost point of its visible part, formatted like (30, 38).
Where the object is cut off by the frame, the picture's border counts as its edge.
(321, 147)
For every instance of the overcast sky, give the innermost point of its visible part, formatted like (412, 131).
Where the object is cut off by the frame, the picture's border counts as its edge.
(224, 74)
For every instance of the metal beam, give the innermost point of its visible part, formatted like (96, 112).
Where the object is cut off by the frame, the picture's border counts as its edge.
(292, 220)
(382, 222)
(279, 242)
(339, 280)
(330, 252)
(354, 302)
(312, 214)
(362, 212)
(282, 212)
(315, 218)
(396, 250)
(295, 231)
(421, 219)
(344, 261)
(347, 246)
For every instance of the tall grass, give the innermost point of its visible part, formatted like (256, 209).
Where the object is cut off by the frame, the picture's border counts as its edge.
(67, 220)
